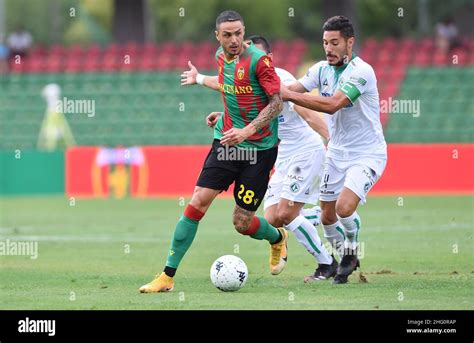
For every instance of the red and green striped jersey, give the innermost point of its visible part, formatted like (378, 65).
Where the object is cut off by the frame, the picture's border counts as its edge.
(245, 84)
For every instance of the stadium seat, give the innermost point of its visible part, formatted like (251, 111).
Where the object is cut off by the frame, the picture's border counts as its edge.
(442, 109)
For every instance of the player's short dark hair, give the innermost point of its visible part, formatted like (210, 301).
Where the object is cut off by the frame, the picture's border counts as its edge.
(228, 16)
(339, 23)
(256, 39)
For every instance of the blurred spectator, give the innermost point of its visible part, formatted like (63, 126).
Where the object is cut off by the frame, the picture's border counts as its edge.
(3, 56)
(447, 35)
(19, 42)
(55, 132)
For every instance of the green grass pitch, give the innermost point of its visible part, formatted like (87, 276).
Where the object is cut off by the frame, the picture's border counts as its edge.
(418, 254)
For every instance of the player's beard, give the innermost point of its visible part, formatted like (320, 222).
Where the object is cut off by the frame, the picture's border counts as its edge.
(343, 59)
(232, 53)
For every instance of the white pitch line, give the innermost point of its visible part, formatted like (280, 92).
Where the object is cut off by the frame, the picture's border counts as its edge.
(90, 239)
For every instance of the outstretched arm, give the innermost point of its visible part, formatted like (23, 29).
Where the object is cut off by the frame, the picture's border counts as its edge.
(319, 103)
(235, 136)
(297, 87)
(192, 76)
(315, 120)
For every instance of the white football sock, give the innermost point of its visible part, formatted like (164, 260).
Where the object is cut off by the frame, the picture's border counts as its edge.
(307, 236)
(351, 229)
(334, 233)
(313, 214)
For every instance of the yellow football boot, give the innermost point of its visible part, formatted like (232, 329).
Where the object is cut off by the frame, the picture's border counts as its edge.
(278, 253)
(161, 283)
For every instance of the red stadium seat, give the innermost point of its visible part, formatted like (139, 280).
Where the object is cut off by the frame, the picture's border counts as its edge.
(38, 51)
(91, 65)
(165, 63)
(385, 56)
(18, 68)
(73, 65)
(35, 64)
(459, 57)
(389, 44)
(133, 62)
(181, 61)
(441, 58)
(427, 44)
(471, 58)
(149, 62)
(422, 59)
(168, 48)
(150, 48)
(131, 47)
(370, 44)
(94, 50)
(408, 45)
(54, 64)
(397, 73)
(56, 50)
(403, 57)
(299, 46)
(112, 49)
(111, 62)
(75, 51)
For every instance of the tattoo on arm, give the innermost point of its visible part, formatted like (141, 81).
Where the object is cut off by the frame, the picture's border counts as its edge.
(274, 107)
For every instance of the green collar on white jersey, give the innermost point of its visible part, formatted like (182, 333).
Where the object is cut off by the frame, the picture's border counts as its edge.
(339, 70)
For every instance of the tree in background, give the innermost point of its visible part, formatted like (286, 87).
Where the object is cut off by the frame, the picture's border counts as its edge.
(50, 21)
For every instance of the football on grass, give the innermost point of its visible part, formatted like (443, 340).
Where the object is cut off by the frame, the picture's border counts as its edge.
(229, 273)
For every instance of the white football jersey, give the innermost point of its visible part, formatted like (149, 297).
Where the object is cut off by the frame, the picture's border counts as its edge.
(356, 130)
(295, 135)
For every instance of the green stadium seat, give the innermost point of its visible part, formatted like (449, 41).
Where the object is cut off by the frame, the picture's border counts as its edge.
(446, 106)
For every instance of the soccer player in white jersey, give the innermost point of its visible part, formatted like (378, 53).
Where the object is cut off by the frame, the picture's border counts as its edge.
(357, 152)
(297, 174)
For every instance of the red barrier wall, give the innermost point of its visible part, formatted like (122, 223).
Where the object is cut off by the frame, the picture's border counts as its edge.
(173, 170)
(428, 168)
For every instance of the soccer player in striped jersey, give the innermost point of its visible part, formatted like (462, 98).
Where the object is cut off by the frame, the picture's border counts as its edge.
(357, 152)
(250, 91)
(298, 169)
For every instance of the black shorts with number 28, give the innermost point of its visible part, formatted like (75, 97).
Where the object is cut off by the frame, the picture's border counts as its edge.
(249, 169)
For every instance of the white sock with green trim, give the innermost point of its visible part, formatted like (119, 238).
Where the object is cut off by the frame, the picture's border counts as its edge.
(313, 214)
(307, 236)
(334, 234)
(351, 229)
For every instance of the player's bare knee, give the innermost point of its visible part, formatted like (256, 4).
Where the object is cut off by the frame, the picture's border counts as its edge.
(344, 209)
(328, 216)
(198, 204)
(286, 215)
(328, 212)
(272, 219)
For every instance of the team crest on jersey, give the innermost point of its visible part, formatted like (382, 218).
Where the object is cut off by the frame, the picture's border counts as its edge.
(325, 83)
(241, 73)
(267, 62)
